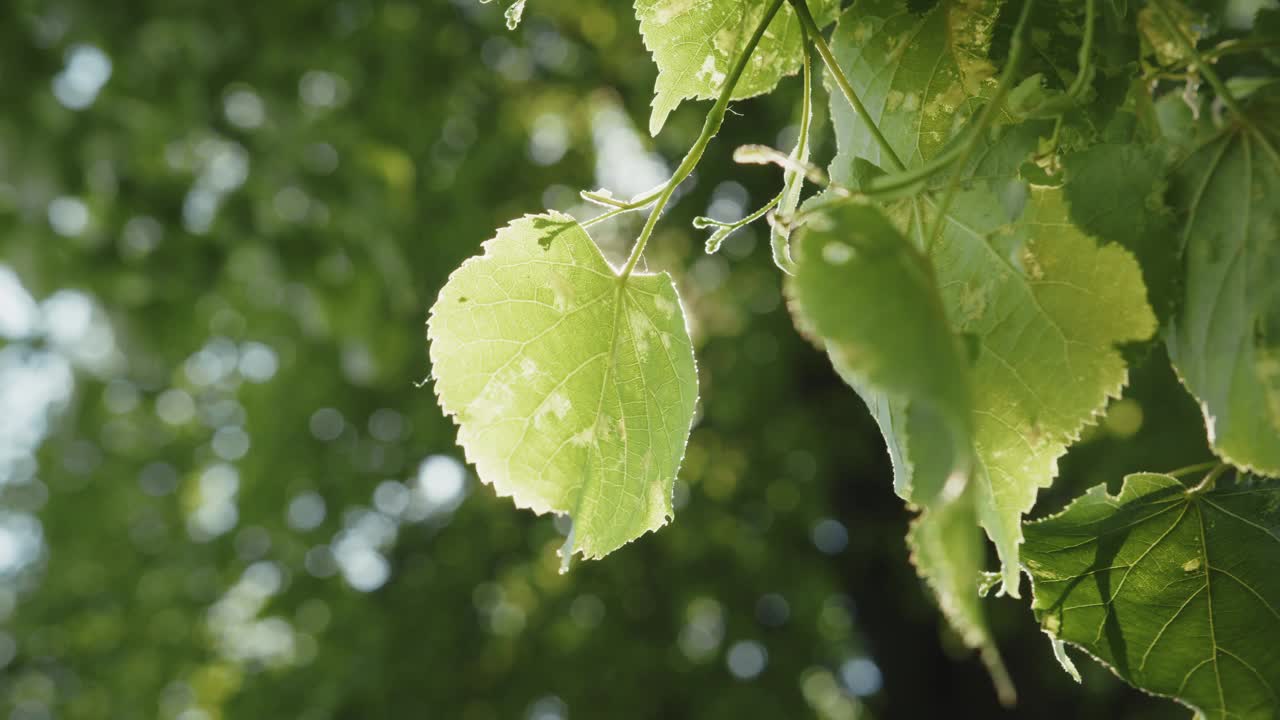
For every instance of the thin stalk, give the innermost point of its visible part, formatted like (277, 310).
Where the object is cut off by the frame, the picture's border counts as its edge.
(765, 155)
(1210, 480)
(709, 129)
(725, 229)
(984, 118)
(1189, 48)
(846, 89)
(619, 210)
(609, 201)
(793, 178)
(1085, 58)
(1192, 469)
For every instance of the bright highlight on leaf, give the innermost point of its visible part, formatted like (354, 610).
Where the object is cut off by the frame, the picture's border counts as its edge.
(1176, 590)
(695, 42)
(1225, 339)
(573, 388)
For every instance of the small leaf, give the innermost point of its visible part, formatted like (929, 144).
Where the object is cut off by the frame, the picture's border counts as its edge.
(1160, 40)
(1225, 339)
(573, 388)
(1177, 590)
(695, 43)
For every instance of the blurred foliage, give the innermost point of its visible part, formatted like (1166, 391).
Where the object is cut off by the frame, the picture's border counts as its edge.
(245, 504)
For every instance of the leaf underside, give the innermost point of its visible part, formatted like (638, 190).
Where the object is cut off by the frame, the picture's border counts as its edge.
(573, 389)
(1177, 590)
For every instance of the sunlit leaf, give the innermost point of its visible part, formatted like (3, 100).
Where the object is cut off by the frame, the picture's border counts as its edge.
(1046, 307)
(573, 389)
(915, 73)
(1116, 193)
(695, 43)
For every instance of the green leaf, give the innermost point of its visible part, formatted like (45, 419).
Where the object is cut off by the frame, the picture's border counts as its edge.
(695, 43)
(1116, 193)
(869, 297)
(573, 388)
(1047, 307)
(916, 74)
(1225, 339)
(949, 553)
(872, 302)
(1177, 590)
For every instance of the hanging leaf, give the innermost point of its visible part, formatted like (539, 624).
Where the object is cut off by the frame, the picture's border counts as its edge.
(870, 299)
(573, 388)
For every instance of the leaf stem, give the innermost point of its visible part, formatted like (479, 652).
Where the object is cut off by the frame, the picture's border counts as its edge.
(637, 202)
(984, 118)
(620, 210)
(1085, 58)
(1210, 480)
(1192, 469)
(846, 89)
(709, 129)
(793, 178)
(725, 229)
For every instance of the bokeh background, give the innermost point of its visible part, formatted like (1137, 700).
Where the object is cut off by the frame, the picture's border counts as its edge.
(226, 490)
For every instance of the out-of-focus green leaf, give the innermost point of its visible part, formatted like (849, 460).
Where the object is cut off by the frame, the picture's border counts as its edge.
(870, 298)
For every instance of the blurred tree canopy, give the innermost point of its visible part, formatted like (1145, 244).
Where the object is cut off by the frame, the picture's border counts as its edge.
(224, 492)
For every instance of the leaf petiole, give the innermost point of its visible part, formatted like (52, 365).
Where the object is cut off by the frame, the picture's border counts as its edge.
(846, 89)
(725, 229)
